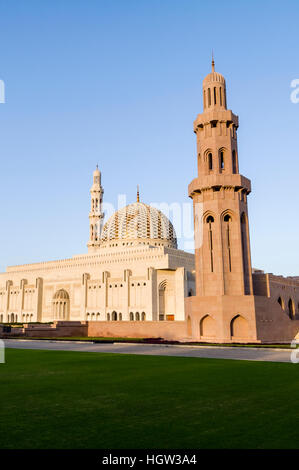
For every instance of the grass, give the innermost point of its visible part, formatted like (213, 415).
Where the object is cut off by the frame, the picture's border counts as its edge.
(54, 399)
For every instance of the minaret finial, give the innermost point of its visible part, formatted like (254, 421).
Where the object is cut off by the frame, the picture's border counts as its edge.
(138, 198)
(213, 62)
(97, 166)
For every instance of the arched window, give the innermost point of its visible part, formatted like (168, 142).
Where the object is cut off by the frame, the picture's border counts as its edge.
(204, 99)
(215, 96)
(209, 97)
(114, 316)
(120, 317)
(220, 94)
(61, 305)
(131, 316)
(291, 309)
(227, 221)
(245, 253)
(210, 221)
(108, 316)
(221, 160)
(234, 162)
(281, 303)
(137, 316)
(210, 161)
(143, 316)
(190, 293)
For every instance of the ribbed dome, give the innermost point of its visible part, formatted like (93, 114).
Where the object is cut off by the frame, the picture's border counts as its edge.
(138, 224)
(61, 294)
(214, 77)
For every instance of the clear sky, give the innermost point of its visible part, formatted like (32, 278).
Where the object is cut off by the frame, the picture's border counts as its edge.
(118, 83)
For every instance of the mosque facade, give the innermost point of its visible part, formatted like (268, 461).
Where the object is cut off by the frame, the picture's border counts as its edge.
(134, 281)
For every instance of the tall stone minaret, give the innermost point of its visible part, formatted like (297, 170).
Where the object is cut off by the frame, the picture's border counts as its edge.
(96, 215)
(219, 193)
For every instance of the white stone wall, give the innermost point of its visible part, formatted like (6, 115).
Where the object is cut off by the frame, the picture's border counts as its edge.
(99, 286)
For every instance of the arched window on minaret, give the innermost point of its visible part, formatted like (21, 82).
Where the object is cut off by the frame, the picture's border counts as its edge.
(209, 97)
(210, 222)
(210, 161)
(220, 94)
(281, 302)
(221, 160)
(291, 309)
(228, 221)
(204, 99)
(235, 166)
(245, 253)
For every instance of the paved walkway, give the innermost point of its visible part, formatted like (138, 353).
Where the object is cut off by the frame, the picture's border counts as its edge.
(247, 354)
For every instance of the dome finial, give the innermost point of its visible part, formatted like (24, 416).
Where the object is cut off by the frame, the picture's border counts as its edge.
(213, 62)
(138, 198)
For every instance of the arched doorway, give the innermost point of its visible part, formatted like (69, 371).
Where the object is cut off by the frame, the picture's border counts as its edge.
(61, 305)
(162, 300)
(207, 327)
(239, 328)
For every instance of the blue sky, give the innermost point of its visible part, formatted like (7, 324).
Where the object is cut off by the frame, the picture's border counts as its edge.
(118, 83)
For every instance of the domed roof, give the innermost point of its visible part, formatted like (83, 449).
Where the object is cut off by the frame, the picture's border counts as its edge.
(213, 77)
(61, 294)
(138, 224)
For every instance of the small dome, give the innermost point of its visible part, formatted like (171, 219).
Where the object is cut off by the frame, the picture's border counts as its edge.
(138, 224)
(61, 294)
(214, 77)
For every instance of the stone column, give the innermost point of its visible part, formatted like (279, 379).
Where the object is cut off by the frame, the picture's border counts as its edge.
(38, 299)
(127, 274)
(152, 294)
(7, 300)
(22, 295)
(85, 279)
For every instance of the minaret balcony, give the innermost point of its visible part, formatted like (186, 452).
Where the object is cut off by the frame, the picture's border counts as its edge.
(218, 181)
(215, 115)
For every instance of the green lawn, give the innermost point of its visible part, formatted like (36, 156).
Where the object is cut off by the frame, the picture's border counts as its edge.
(53, 399)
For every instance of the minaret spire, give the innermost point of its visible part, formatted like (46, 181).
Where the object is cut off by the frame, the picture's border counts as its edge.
(96, 215)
